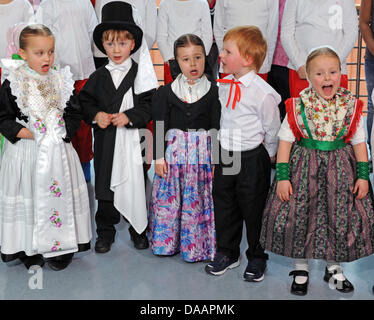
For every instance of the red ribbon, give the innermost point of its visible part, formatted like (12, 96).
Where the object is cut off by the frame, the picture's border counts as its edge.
(237, 94)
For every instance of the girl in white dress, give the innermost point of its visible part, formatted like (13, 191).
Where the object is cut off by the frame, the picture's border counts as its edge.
(44, 205)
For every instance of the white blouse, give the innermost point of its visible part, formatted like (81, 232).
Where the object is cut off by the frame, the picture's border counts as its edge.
(176, 17)
(72, 23)
(190, 93)
(10, 14)
(309, 24)
(263, 14)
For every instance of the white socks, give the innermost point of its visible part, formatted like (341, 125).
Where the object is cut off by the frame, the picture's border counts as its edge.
(332, 266)
(301, 264)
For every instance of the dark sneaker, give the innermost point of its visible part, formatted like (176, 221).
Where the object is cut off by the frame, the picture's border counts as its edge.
(220, 264)
(255, 270)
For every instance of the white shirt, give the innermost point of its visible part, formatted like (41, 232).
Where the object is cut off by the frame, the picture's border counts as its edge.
(263, 14)
(308, 24)
(176, 18)
(10, 14)
(120, 71)
(148, 15)
(254, 120)
(72, 23)
(190, 93)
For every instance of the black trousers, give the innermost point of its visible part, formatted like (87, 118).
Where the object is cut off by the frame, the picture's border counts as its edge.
(107, 216)
(278, 78)
(241, 197)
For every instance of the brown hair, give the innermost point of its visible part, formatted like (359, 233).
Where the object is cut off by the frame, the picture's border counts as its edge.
(33, 30)
(250, 43)
(114, 35)
(323, 51)
(187, 40)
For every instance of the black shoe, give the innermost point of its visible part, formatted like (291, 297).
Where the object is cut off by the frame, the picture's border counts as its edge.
(60, 262)
(255, 270)
(342, 286)
(221, 264)
(29, 261)
(140, 240)
(297, 288)
(102, 245)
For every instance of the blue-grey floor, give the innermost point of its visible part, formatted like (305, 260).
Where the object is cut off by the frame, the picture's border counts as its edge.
(126, 273)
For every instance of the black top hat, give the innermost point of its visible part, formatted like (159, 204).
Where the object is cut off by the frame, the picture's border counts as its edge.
(117, 15)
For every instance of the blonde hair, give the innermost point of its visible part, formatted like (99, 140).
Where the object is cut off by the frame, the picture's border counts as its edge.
(115, 35)
(33, 30)
(250, 43)
(323, 51)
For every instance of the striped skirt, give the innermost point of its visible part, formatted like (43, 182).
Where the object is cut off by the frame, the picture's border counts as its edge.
(322, 219)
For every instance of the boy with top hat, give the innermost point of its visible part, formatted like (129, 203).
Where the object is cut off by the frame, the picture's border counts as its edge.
(116, 102)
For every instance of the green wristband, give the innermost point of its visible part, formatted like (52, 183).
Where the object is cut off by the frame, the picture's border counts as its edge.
(282, 171)
(363, 170)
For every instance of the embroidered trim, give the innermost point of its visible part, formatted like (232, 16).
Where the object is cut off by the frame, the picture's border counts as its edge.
(355, 120)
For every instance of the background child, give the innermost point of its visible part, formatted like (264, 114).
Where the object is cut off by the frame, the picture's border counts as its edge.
(319, 206)
(147, 11)
(309, 24)
(116, 101)
(260, 13)
(73, 23)
(181, 216)
(178, 17)
(279, 74)
(44, 205)
(249, 127)
(12, 12)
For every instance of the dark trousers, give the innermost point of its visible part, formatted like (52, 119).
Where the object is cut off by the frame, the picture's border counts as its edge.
(107, 216)
(278, 78)
(241, 197)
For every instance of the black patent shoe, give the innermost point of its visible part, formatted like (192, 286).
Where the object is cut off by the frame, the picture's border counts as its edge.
(342, 286)
(60, 262)
(140, 240)
(297, 288)
(102, 245)
(36, 260)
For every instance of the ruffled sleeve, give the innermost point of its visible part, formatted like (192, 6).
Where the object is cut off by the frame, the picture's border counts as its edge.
(358, 108)
(291, 117)
(67, 84)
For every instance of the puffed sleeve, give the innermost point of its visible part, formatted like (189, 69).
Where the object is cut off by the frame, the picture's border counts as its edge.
(9, 111)
(160, 117)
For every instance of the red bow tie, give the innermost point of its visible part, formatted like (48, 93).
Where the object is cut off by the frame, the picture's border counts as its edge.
(237, 94)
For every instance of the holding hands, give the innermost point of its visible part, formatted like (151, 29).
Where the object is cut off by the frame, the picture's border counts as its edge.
(104, 119)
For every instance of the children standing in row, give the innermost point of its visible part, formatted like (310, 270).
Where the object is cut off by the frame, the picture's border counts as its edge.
(44, 206)
(249, 127)
(178, 17)
(116, 104)
(181, 210)
(320, 205)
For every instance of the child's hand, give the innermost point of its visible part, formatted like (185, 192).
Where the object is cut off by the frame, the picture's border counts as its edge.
(161, 167)
(302, 72)
(103, 119)
(120, 119)
(25, 133)
(284, 190)
(361, 188)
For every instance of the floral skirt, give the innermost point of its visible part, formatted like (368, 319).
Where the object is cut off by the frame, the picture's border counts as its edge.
(322, 219)
(181, 214)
